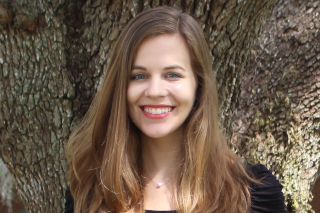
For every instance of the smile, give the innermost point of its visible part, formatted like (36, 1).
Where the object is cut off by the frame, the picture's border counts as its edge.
(157, 111)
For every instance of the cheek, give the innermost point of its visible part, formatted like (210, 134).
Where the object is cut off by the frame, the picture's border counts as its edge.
(131, 95)
(130, 107)
(135, 91)
(185, 92)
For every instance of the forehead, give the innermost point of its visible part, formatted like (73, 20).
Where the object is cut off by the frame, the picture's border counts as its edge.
(166, 48)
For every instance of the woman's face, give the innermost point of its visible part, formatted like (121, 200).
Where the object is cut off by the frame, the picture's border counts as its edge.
(162, 88)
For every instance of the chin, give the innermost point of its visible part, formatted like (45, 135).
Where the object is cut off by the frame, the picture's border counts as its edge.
(158, 133)
(155, 135)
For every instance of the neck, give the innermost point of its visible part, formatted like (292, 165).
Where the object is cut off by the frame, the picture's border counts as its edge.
(160, 157)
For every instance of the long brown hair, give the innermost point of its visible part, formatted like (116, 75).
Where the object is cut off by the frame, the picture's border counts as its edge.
(103, 152)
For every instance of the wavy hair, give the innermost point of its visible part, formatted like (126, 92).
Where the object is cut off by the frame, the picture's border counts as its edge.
(103, 152)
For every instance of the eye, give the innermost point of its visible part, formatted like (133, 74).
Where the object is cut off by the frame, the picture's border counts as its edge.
(173, 75)
(138, 76)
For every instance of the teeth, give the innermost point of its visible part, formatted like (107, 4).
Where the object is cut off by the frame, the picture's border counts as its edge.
(157, 111)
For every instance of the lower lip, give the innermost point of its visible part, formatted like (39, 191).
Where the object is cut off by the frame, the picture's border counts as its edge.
(156, 116)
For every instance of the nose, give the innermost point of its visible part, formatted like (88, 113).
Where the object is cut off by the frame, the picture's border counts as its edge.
(156, 88)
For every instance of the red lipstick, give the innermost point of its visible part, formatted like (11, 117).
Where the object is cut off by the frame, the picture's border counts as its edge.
(156, 116)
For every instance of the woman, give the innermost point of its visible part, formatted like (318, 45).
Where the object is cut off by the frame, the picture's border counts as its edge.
(151, 138)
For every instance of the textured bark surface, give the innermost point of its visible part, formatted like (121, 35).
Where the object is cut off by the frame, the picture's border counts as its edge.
(52, 57)
(35, 100)
(278, 119)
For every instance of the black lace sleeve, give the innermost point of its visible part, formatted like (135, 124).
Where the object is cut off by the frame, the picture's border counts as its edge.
(266, 197)
(69, 202)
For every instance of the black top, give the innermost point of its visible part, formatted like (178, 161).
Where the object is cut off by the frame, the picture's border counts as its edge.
(265, 198)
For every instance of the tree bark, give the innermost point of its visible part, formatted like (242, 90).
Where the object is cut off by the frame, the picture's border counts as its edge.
(36, 100)
(278, 119)
(53, 54)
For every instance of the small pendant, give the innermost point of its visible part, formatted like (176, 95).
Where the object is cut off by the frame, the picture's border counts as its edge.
(159, 185)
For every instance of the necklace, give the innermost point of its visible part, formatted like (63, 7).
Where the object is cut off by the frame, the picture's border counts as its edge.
(157, 185)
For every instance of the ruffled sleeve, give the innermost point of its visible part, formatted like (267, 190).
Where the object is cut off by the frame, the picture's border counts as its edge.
(266, 197)
(68, 202)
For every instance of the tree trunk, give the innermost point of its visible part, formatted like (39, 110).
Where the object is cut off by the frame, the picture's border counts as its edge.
(53, 54)
(278, 119)
(36, 97)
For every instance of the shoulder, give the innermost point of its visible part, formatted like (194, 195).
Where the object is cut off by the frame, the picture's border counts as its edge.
(68, 201)
(266, 196)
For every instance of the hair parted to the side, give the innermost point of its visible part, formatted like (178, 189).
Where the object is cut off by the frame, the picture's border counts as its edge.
(103, 152)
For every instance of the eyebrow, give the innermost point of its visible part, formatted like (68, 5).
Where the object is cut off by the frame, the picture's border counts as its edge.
(137, 67)
(166, 68)
(174, 67)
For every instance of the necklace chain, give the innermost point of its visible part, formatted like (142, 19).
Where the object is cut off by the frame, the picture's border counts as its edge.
(157, 185)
